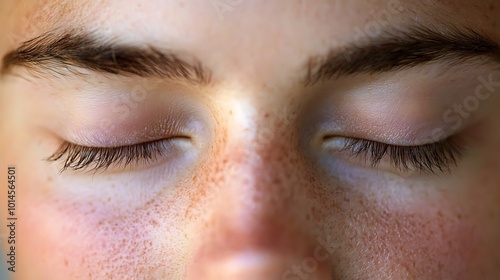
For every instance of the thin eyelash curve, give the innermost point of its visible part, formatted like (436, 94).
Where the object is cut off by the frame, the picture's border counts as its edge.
(78, 157)
(427, 158)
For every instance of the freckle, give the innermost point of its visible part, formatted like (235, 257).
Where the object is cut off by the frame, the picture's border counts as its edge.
(49, 179)
(154, 222)
(66, 262)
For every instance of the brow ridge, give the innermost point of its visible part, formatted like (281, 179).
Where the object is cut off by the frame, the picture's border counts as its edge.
(398, 50)
(83, 50)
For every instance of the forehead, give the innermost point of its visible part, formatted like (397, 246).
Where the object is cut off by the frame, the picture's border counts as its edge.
(248, 24)
(237, 14)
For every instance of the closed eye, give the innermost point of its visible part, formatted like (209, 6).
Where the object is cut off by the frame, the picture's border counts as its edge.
(429, 158)
(76, 157)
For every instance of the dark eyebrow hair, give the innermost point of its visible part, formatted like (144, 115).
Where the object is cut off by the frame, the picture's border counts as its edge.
(398, 50)
(389, 51)
(50, 52)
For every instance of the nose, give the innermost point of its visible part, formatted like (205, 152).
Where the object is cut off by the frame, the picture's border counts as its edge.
(258, 266)
(257, 225)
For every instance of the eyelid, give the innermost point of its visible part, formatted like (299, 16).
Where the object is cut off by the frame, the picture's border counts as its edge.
(79, 158)
(429, 158)
(109, 134)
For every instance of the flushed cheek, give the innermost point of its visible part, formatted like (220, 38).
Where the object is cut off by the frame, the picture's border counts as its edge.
(411, 242)
(79, 238)
(50, 241)
(397, 230)
(435, 243)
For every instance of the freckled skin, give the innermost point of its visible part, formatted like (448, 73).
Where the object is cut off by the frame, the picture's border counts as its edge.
(256, 204)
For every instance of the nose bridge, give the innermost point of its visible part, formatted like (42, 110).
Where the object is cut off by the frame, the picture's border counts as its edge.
(256, 167)
(264, 174)
(257, 226)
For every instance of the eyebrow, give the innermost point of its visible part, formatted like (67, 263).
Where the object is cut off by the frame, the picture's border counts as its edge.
(399, 50)
(51, 52)
(388, 51)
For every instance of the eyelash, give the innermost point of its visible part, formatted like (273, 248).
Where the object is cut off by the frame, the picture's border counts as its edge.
(77, 157)
(429, 158)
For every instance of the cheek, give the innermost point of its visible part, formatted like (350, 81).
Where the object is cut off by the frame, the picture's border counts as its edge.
(387, 227)
(424, 240)
(70, 237)
(49, 239)
(399, 232)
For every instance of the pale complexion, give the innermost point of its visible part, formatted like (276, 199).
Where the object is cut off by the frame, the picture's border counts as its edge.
(252, 184)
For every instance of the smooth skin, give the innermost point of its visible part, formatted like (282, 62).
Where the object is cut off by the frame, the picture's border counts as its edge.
(254, 194)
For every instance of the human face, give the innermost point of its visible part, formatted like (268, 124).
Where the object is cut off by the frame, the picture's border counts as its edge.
(320, 139)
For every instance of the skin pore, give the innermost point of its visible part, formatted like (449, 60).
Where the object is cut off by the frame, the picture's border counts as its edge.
(252, 181)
